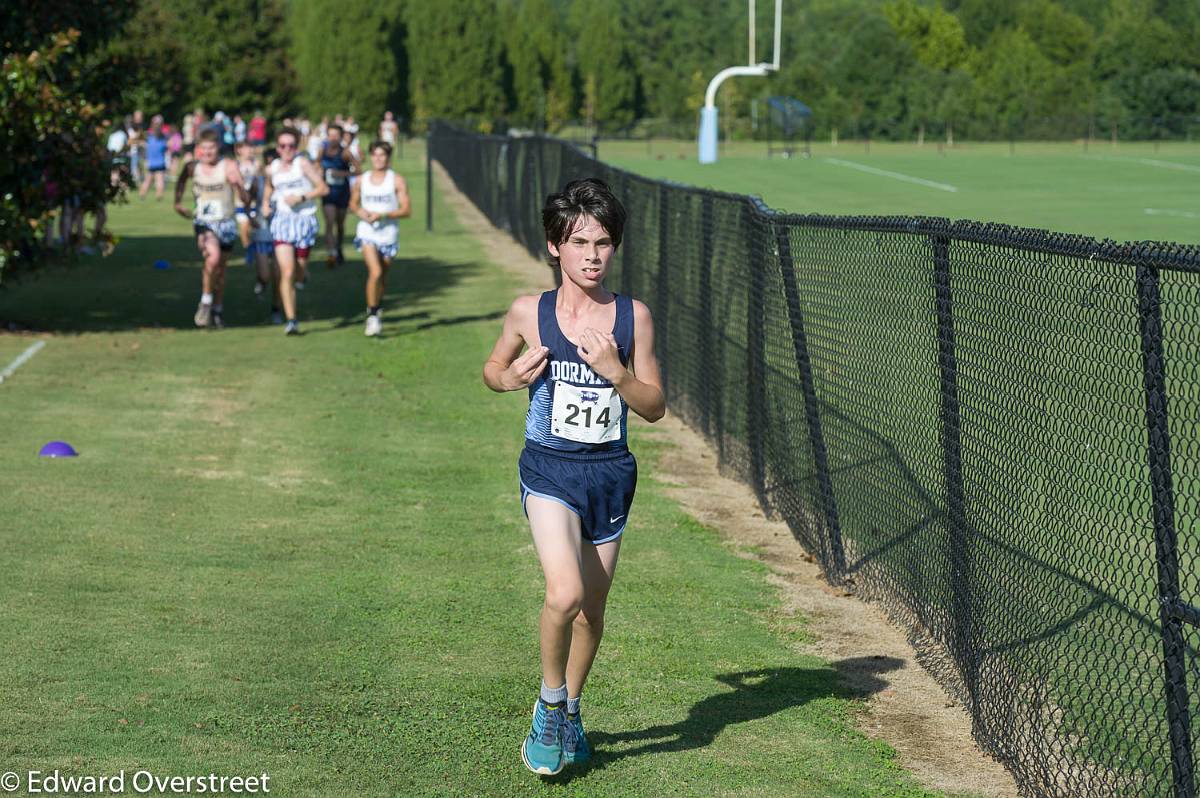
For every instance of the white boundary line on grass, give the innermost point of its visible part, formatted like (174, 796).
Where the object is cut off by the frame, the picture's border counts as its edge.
(1168, 212)
(29, 352)
(1182, 167)
(920, 181)
(1179, 167)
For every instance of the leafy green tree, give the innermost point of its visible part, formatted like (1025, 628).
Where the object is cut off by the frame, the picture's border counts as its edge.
(152, 55)
(1142, 65)
(237, 55)
(456, 56)
(53, 137)
(348, 56)
(982, 19)
(605, 64)
(541, 81)
(1015, 83)
(1063, 37)
(669, 41)
(936, 36)
(954, 106)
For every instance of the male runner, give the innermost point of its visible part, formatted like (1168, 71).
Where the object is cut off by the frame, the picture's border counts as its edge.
(248, 167)
(379, 198)
(337, 164)
(577, 473)
(292, 187)
(215, 180)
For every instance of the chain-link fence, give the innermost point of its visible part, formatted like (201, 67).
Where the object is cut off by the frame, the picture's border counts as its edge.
(967, 422)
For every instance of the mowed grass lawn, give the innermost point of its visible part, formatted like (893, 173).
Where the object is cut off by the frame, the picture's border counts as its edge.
(1133, 192)
(305, 556)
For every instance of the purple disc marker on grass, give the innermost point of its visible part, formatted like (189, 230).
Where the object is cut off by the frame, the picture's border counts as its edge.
(58, 449)
(161, 264)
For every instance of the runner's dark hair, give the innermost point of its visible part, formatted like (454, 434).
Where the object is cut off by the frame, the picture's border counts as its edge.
(563, 211)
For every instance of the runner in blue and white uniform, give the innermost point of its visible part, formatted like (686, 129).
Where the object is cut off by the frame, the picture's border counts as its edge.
(262, 245)
(248, 166)
(589, 358)
(337, 165)
(293, 187)
(379, 199)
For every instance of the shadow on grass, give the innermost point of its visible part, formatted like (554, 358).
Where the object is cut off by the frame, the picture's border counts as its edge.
(126, 292)
(754, 695)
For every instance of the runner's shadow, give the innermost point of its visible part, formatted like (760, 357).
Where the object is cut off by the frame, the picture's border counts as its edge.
(127, 292)
(754, 695)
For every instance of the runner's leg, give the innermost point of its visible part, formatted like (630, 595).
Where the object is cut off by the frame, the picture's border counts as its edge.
(285, 256)
(556, 536)
(599, 567)
(330, 212)
(341, 232)
(376, 275)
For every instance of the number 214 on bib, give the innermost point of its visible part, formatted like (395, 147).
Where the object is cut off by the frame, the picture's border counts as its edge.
(585, 414)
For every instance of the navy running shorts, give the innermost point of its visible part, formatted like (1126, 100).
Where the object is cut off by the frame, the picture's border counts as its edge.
(338, 196)
(596, 486)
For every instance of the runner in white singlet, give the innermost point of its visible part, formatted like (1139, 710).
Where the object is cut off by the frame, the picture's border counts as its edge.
(379, 199)
(294, 185)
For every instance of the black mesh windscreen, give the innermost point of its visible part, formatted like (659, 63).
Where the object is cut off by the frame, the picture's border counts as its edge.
(994, 432)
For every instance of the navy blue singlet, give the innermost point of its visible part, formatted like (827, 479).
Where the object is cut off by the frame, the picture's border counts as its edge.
(585, 412)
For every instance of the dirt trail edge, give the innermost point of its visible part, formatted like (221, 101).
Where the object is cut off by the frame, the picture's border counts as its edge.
(931, 733)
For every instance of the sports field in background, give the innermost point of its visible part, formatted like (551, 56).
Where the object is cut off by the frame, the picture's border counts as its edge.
(305, 556)
(1132, 192)
(1053, 458)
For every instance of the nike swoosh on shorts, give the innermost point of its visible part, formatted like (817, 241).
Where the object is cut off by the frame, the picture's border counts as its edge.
(615, 520)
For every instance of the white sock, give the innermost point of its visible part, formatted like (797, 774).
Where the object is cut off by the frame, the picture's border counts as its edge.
(206, 299)
(553, 695)
(573, 705)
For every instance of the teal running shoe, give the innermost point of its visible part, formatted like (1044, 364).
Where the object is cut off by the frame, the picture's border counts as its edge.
(576, 750)
(542, 751)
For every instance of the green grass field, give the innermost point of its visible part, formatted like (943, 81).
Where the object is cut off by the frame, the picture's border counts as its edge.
(305, 556)
(1135, 191)
(1052, 410)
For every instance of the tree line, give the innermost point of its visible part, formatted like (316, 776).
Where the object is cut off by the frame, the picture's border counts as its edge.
(883, 68)
(878, 68)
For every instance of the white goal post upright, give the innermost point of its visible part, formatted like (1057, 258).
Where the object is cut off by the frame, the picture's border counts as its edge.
(708, 114)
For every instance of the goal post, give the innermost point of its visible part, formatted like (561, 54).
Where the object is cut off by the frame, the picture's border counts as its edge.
(707, 140)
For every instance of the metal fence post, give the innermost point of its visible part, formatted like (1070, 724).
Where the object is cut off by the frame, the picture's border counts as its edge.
(960, 540)
(709, 393)
(812, 413)
(756, 356)
(662, 296)
(429, 180)
(1165, 541)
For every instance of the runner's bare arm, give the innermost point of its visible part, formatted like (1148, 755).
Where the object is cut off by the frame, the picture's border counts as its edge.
(234, 176)
(264, 206)
(181, 186)
(405, 205)
(356, 203)
(317, 179)
(504, 370)
(641, 388)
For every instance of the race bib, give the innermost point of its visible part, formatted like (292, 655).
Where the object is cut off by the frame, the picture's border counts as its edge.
(332, 179)
(586, 414)
(210, 210)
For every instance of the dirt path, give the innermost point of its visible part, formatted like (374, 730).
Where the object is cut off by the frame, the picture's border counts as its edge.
(912, 714)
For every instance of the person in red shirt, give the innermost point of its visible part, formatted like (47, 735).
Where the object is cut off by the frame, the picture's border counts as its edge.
(256, 134)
